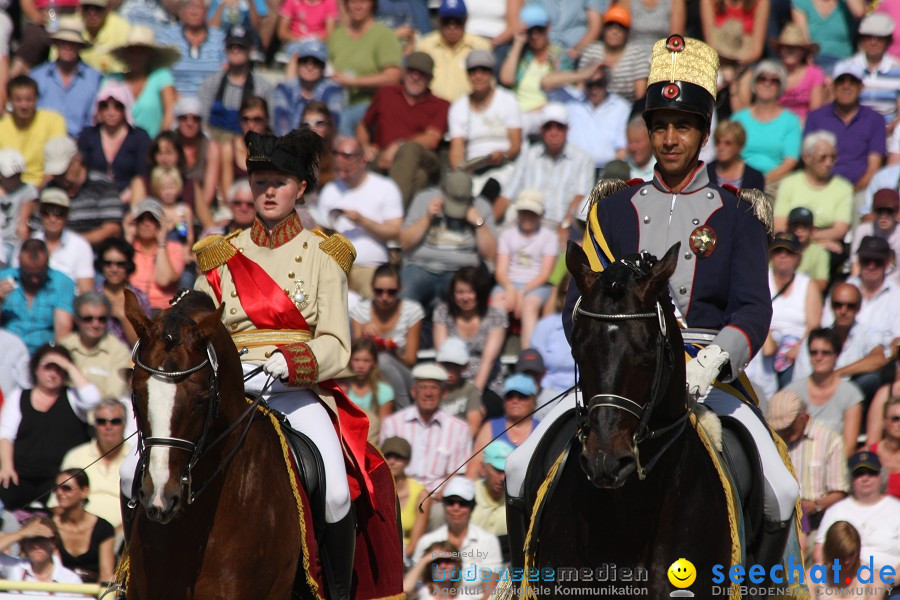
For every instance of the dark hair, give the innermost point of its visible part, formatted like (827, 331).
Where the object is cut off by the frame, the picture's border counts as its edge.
(34, 248)
(827, 334)
(368, 345)
(78, 476)
(326, 167)
(119, 244)
(374, 6)
(41, 353)
(154, 148)
(387, 270)
(255, 102)
(47, 522)
(21, 81)
(475, 277)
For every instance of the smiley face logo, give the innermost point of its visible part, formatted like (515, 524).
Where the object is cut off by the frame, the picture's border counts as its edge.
(682, 573)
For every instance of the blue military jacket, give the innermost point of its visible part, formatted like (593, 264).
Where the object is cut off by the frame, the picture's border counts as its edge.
(721, 281)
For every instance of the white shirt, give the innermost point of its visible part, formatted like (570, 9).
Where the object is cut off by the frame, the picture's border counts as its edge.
(878, 526)
(599, 130)
(74, 256)
(13, 363)
(881, 313)
(480, 550)
(486, 131)
(376, 198)
(860, 341)
(19, 569)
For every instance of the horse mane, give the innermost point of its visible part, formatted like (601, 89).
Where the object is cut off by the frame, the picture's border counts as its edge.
(188, 308)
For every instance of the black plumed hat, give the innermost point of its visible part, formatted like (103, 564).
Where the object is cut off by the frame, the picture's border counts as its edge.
(296, 153)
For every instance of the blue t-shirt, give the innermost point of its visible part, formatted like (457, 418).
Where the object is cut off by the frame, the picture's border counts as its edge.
(34, 324)
(385, 394)
(768, 144)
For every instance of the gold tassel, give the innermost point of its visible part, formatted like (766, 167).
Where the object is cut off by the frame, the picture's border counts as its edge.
(214, 251)
(762, 207)
(603, 189)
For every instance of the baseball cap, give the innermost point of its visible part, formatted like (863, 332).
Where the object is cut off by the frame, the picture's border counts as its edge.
(521, 383)
(149, 205)
(481, 58)
(886, 198)
(800, 216)
(422, 62)
(786, 240)
(452, 9)
(864, 460)
(532, 200)
(431, 371)
(529, 360)
(495, 454)
(11, 162)
(784, 408)
(850, 68)
(313, 48)
(877, 24)
(457, 188)
(188, 105)
(461, 488)
(396, 445)
(454, 351)
(240, 36)
(555, 112)
(874, 248)
(617, 14)
(58, 154)
(55, 196)
(534, 15)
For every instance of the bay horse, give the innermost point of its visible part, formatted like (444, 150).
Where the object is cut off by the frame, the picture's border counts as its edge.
(216, 517)
(637, 489)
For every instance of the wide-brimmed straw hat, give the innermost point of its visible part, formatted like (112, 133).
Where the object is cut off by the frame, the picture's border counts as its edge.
(70, 30)
(793, 36)
(730, 41)
(143, 37)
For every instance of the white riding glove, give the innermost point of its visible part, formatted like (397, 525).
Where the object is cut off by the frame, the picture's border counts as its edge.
(702, 371)
(276, 366)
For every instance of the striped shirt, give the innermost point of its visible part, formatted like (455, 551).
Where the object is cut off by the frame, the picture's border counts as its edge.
(195, 64)
(96, 203)
(819, 461)
(439, 447)
(560, 179)
(634, 65)
(881, 86)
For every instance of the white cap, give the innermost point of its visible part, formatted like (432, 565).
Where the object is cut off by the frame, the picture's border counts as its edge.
(461, 487)
(532, 200)
(431, 371)
(55, 196)
(188, 105)
(878, 25)
(11, 162)
(58, 155)
(555, 112)
(454, 351)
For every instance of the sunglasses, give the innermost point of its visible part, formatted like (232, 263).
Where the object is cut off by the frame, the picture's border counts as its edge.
(247, 203)
(54, 211)
(516, 396)
(885, 211)
(346, 155)
(233, 47)
(310, 60)
(877, 262)
(386, 291)
(767, 79)
(245, 119)
(313, 124)
(821, 352)
(537, 29)
(111, 104)
(456, 502)
(65, 487)
(189, 118)
(89, 318)
(480, 70)
(91, 8)
(894, 418)
(449, 22)
(122, 264)
(115, 421)
(851, 305)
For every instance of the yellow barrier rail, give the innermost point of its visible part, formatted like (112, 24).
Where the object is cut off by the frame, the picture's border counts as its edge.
(88, 589)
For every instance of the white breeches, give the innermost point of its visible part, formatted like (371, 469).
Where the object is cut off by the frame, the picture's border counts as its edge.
(781, 489)
(306, 414)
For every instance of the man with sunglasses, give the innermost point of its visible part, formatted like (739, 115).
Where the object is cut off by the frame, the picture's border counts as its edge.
(222, 93)
(885, 207)
(103, 358)
(448, 47)
(305, 81)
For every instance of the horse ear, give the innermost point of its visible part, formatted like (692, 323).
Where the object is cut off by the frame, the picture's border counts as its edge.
(135, 315)
(580, 267)
(661, 272)
(209, 323)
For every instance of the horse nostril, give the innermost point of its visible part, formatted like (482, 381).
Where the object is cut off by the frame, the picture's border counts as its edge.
(625, 462)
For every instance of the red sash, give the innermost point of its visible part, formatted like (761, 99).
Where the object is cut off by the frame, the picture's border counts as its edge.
(268, 307)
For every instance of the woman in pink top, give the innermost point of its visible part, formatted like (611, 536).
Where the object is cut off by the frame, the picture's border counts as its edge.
(158, 262)
(300, 19)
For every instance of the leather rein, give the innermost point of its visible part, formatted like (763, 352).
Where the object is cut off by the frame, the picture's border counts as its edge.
(664, 363)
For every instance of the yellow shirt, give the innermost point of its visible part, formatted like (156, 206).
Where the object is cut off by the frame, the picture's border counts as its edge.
(451, 81)
(31, 140)
(103, 364)
(489, 514)
(103, 500)
(114, 33)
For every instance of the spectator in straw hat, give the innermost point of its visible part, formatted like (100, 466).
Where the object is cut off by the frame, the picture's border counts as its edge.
(805, 87)
(67, 85)
(106, 30)
(150, 79)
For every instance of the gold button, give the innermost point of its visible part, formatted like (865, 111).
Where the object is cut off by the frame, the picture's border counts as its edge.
(305, 245)
(268, 354)
(298, 259)
(234, 326)
(234, 294)
(291, 275)
(233, 311)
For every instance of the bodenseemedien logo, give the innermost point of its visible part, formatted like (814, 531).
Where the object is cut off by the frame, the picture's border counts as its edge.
(682, 574)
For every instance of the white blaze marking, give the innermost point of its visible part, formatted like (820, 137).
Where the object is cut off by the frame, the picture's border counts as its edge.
(160, 406)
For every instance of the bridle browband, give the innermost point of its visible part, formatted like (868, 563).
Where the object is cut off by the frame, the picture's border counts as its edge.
(199, 448)
(664, 364)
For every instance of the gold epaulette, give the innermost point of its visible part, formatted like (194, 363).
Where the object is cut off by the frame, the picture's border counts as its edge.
(762, 207)
(339, 248)
(214, 251)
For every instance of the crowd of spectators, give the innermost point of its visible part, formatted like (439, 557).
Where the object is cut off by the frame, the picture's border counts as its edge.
(462, 143)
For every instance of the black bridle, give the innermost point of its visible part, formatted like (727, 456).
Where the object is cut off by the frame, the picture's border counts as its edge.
(199, 448)
(664, 364)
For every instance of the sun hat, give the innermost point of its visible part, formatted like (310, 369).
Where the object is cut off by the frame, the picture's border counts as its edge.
(142, 36)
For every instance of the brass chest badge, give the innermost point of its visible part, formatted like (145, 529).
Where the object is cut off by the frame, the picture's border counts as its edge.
(703, 241)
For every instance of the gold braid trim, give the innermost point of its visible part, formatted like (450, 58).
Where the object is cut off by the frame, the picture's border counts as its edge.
(729, 501)
(123, 570)
(286, 453)
(340, 249)
(304, 368)
(213, 251)
(762, 207)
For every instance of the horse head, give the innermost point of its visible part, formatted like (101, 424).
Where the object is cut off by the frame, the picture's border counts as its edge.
(626, 343)
(175, 394)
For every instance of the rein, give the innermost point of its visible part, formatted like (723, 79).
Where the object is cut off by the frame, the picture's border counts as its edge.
(200, 448)
(664, 363)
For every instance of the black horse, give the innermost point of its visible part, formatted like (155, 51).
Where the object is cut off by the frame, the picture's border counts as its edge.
(636, 489)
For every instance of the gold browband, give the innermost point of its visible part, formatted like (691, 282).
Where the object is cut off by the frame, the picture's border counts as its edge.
(269, 337)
